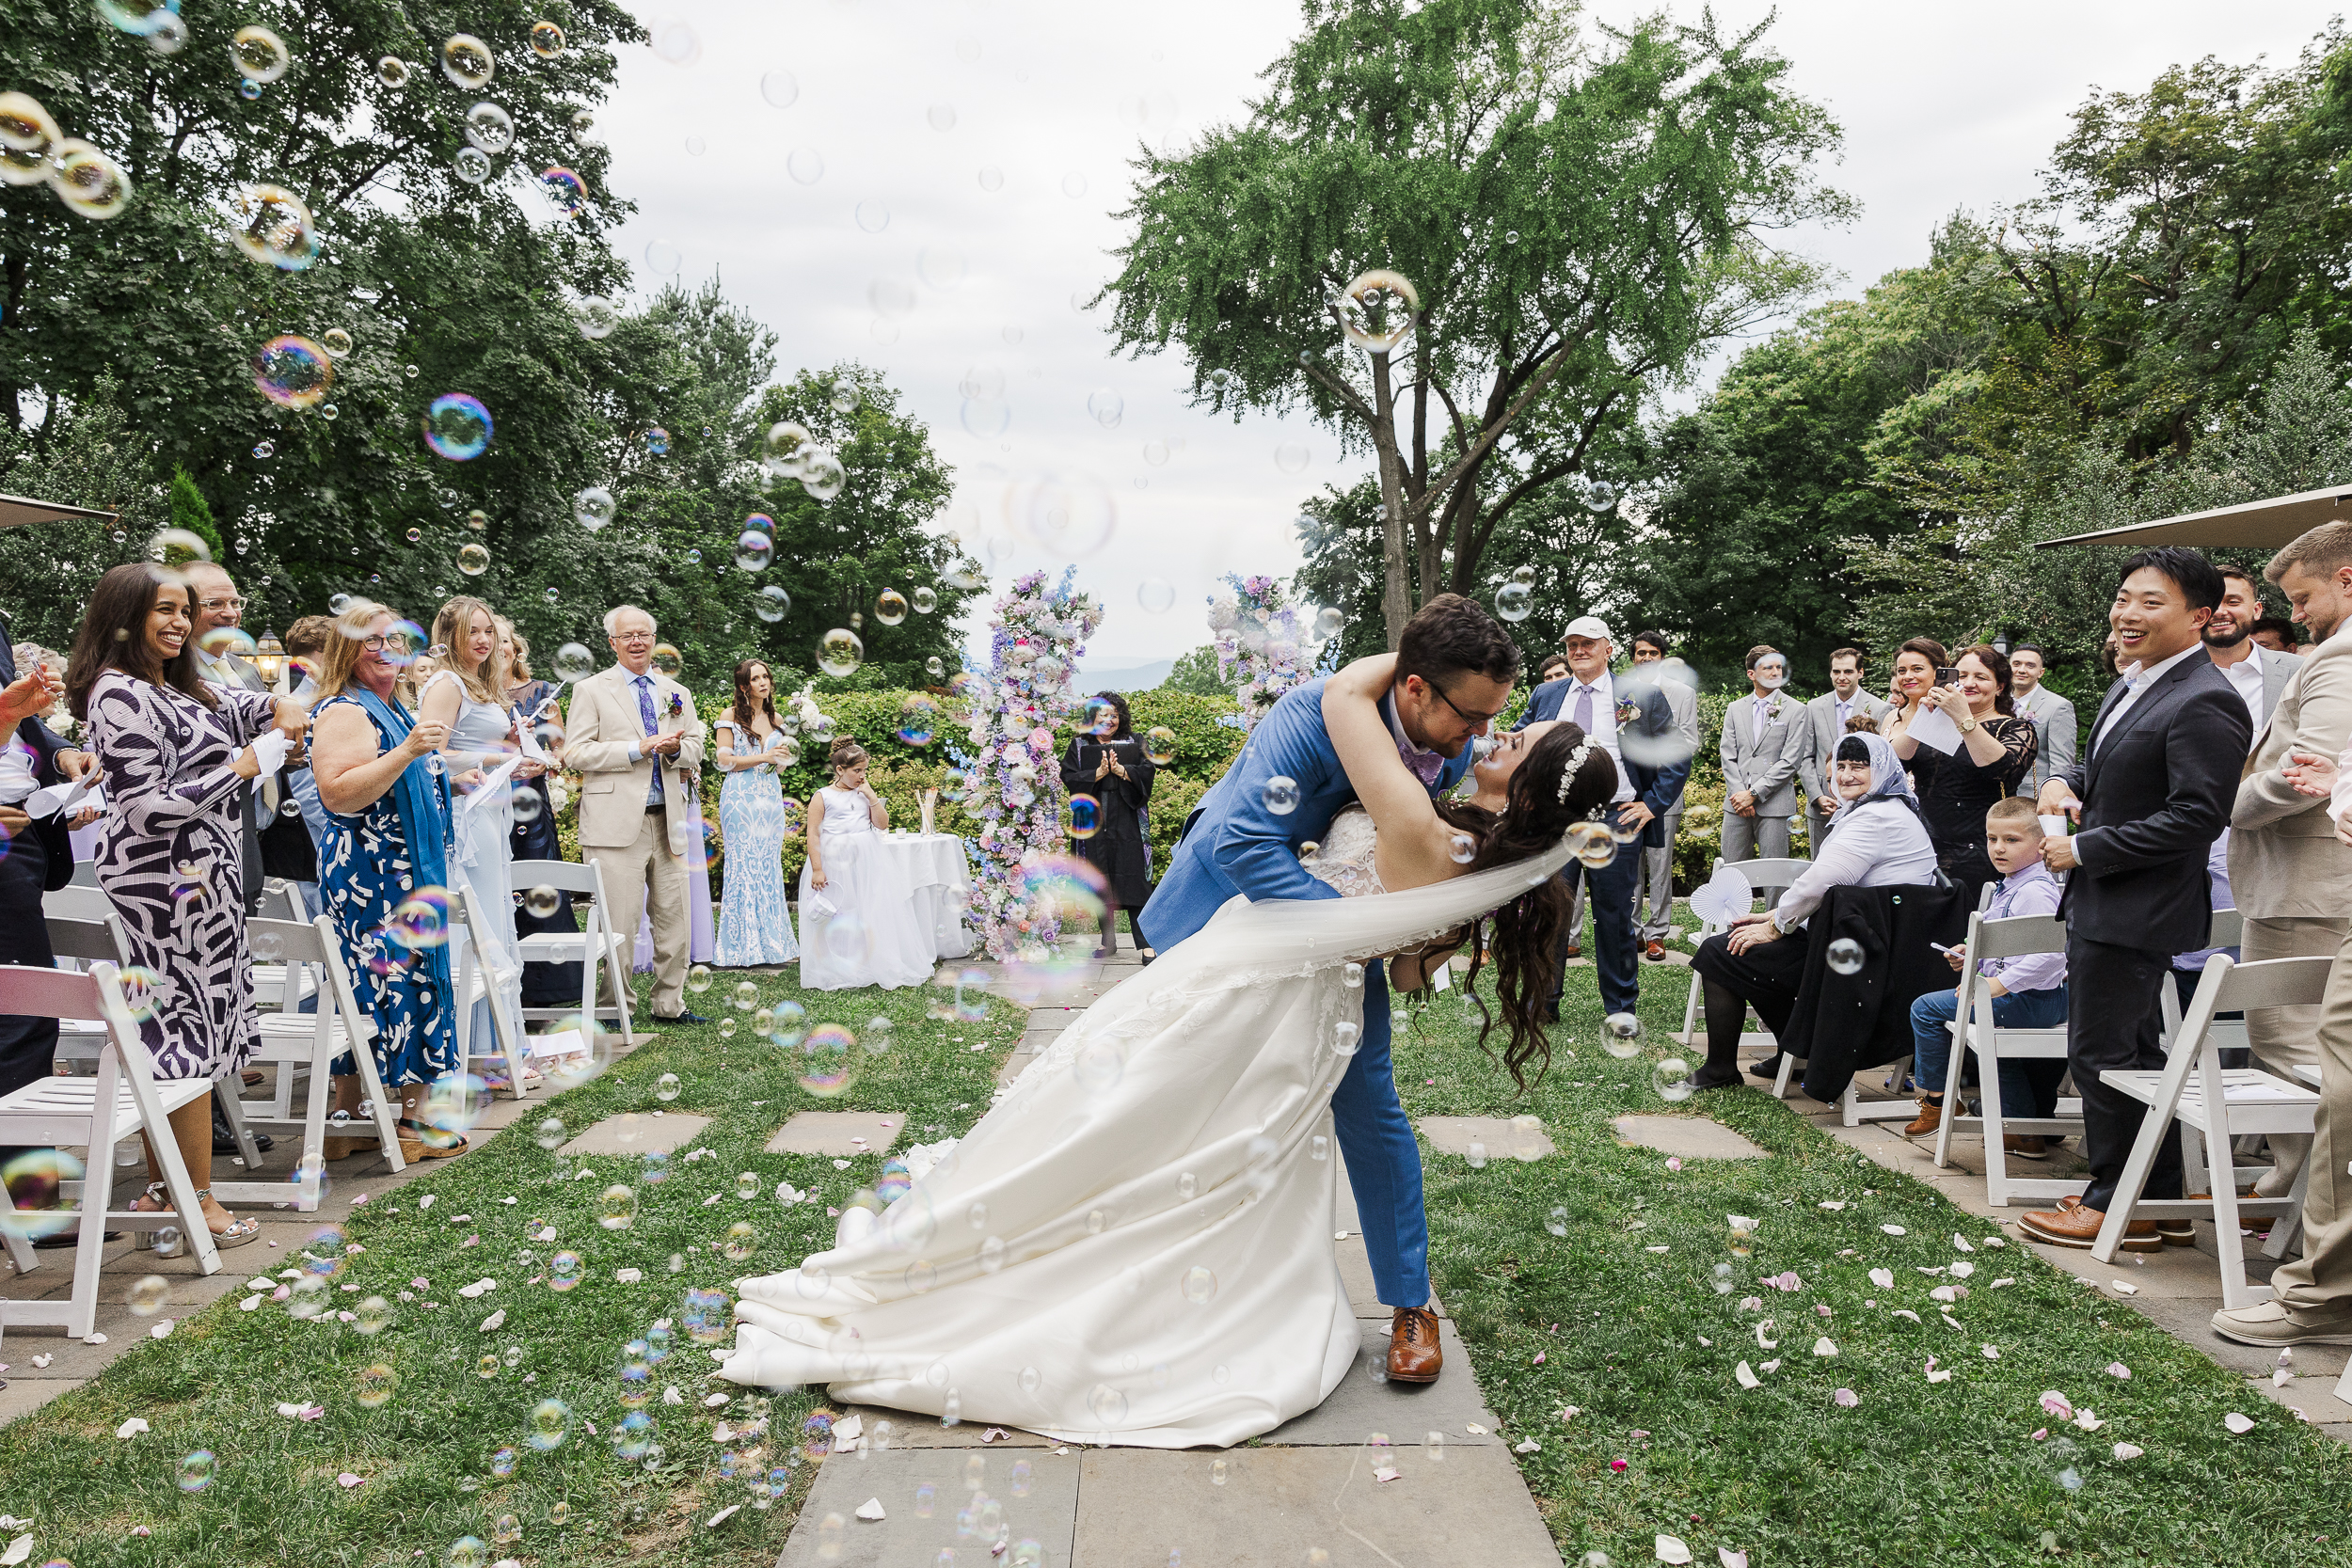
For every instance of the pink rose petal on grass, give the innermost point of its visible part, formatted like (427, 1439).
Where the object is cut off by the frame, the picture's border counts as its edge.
(1539, 1358)
(1674, 1162)
(2116, 1369)
(1730, 1559)
(347, 1479)
(1847, 1399)
(1617, 1465)
(2056, 1405)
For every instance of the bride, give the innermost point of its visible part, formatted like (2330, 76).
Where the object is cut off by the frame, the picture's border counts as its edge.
(1133, 1244)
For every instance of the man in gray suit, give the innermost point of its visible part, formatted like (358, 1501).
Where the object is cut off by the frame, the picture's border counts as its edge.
(1827, 715)
(2259, 674)
(2051, 715)
(1654, 907)
(2294, 882)
(1764, 740)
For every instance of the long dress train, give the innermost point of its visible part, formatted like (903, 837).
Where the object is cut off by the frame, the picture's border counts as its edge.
(1134, 1245)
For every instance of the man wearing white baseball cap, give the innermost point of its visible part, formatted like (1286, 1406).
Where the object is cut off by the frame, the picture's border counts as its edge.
(1635, 725)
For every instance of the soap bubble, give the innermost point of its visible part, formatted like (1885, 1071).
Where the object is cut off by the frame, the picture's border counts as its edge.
(1621, 1035)
(490, 127)
(1197, 1285)
(596, 315)
(872, 216)
(666, 1087)
(1291, 456)
(88, 182)
(1462, 848)
(918, 719)
(1281, 795)
(293, 371)
(891, 608)
(574, 662)
(823, 475)
(1106, 407)
(550, 1134)
(550, 1423)
(466, 61)
(564, 1271)
(616, 1209)
(754, 550)
(741, 1241)
(1845, 956)
(393, 71)
(593, 508)
(633, 1435)
(840, 653)
(745, 996)
(1377, 311)
(147, 1295)
(546, 40)
(1515, 601)
(1071, 514)
(1591, 843)
(570, 194)
(372, 1386)
(1600, 495)
(268, 223)
(1159, 745)
(827, 1060)
(773, 604)
(261, 55)
(1155, 595)
(662, 256)
(1082, 818)
(780, 89)
(1671, 1078)
(1108, 1405)
(676, 42)
(666, 660)
(421, 920)
(806, 165)
(197, 1470)
(457, 426)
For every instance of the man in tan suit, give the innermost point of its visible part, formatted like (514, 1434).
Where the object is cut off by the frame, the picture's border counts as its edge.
(637, 743)
(2293, 881)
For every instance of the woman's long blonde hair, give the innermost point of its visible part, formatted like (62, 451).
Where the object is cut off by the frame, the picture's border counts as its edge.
(338, 662)
(486, 684)
(518, 667)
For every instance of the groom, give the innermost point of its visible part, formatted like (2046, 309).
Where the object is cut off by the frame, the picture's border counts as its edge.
(1455, 668)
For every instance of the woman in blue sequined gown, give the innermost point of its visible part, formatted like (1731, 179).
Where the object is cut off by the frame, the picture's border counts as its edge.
(755, 919)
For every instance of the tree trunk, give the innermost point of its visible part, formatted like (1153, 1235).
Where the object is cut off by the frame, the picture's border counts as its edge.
(1396, 602)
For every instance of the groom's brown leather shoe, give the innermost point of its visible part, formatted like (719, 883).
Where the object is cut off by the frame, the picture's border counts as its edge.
(1413, 1353)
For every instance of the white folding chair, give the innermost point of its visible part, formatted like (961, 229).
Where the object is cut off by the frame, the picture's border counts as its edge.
(269, 977)
(473, 983)
(2227, 930)
(1973, 1030)
(1761, 875)
(2195, 1089)
(296, 1044)
(122, 1099)
(78, 943)
(601, 951)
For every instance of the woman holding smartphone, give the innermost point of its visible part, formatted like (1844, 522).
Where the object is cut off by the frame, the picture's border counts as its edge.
(1995, 753)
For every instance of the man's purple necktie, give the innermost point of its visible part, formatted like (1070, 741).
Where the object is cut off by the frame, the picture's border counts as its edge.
(1584, 709)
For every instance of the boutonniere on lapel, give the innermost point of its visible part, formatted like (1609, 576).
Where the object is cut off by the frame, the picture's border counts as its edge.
(1628, 711)
(677, 704)
(1771, 708)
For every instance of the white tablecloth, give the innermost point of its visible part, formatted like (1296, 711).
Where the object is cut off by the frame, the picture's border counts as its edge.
(939, 880)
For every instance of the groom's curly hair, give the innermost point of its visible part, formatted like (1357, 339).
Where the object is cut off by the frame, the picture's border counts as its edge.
(1525, 932)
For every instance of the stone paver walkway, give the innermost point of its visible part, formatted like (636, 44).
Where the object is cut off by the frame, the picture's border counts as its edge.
(1308, 1486)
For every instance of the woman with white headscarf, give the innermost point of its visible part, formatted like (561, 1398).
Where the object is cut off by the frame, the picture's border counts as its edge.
(1880, 842)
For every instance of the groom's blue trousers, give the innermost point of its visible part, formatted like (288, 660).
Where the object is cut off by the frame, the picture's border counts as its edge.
(1383, 1157)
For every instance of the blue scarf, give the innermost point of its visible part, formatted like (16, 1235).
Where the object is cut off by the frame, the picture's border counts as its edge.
(422, 799)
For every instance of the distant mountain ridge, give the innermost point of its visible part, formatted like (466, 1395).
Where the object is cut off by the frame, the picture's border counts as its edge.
(1096, 676)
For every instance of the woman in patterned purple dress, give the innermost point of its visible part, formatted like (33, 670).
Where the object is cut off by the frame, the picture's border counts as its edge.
(176, 752)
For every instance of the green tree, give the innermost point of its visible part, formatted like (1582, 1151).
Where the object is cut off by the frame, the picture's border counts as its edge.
(1196, 673)
(1577, 225)
(189, 511)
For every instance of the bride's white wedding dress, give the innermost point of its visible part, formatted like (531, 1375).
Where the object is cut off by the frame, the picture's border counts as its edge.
(1134, 1245)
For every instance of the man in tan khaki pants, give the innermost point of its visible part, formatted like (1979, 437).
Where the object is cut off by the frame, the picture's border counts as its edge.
(2291, 870)
(635, 739)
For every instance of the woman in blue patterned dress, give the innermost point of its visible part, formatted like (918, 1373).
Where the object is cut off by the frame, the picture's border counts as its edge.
(755, 919)
(388, 843)
(177, 754)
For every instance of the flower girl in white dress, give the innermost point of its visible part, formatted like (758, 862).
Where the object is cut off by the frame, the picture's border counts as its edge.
(858, 923)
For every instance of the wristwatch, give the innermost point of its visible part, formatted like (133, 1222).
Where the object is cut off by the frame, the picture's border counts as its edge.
(1968, 725)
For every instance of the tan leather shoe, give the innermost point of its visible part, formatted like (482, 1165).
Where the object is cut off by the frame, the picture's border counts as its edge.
(2077, 1225)
(1573, 950)
(1655, 952)
(1931, 1117)
(1414, 1355)
(2026, 1146)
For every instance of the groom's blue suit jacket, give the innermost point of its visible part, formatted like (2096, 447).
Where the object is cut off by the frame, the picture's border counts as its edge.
(1235, 845)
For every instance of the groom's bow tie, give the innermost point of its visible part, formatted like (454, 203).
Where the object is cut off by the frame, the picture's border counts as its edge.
(1426, 765)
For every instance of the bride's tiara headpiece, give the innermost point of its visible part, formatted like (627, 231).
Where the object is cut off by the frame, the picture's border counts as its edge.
(1576, 761)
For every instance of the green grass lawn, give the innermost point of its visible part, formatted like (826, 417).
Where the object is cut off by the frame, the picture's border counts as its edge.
(1913, 1472)
(429, 1455)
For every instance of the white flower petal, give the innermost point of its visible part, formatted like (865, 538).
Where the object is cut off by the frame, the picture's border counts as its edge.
(1671, 1550)
(2238, 1423)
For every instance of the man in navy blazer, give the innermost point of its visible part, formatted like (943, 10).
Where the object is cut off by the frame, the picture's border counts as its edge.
(2152, 790)
(34, 856)
(1635, 724)
(1454, 667)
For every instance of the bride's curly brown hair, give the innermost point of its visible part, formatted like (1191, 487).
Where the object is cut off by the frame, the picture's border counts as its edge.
(1525, 933)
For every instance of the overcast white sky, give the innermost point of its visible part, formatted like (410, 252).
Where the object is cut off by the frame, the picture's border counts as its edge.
(1943, 105)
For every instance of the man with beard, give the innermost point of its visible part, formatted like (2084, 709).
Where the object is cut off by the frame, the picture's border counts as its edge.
(2259, 674)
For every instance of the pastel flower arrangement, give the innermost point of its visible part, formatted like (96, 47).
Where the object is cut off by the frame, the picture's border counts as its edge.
(1263, 649)
(1012, 774)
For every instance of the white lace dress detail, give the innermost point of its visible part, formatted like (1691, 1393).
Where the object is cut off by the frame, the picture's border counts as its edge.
(1344, 858)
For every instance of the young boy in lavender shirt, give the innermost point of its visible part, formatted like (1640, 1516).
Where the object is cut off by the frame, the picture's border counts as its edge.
(2029, 992)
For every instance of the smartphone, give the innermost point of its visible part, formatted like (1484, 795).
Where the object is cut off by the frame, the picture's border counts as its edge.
(1946, 675)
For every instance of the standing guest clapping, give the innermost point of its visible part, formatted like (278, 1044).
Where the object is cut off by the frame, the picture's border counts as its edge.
(179, 756)
(1995, 757)
(637, 743)
(2151, 792)
(756, 909)
(1108, 765)
(388, 829)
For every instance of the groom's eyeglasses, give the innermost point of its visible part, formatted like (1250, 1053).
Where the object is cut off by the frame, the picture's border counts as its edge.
(1472, 720)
